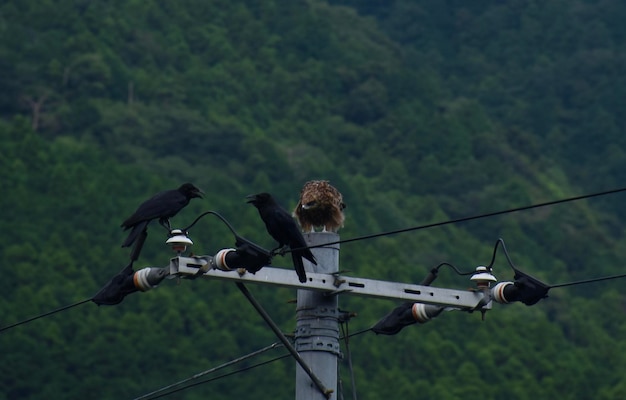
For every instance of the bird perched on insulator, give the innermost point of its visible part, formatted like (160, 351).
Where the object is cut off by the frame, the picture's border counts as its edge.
(163, 205)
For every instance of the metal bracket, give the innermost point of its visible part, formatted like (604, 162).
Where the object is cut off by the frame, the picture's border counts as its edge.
(452, 298)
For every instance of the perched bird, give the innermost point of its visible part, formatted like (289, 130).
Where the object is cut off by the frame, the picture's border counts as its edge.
(320, 205)
(163, 205)
(283, 228)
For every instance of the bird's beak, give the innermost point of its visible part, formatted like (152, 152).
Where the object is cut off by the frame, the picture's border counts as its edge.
(251, 198)
(308, 205)
(199, 193)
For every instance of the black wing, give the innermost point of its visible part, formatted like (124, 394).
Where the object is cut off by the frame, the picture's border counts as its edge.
(280, 225)
(162, 205)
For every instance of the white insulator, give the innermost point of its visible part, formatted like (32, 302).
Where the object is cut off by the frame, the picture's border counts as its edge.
(178, 237)
(483, 275)
(423, 313)
(498, 292)
(220, 259)
(140, 279)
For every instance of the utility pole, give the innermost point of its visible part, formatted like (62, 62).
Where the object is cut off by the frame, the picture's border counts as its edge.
(317, 323)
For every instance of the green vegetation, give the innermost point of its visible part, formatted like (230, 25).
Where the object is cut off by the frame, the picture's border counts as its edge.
(418, 111)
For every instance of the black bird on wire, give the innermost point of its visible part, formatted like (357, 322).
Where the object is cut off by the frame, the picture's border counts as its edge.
(164, 205)
(283, 228)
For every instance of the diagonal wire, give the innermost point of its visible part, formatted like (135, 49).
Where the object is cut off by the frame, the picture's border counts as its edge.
(463, 219)
(268, 320)
(45, 314)
(222, 376)
(208, 371)
(603, 278)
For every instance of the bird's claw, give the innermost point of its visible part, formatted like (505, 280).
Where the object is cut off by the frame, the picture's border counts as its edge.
(279, 250)
(165, 223)
(276, 252)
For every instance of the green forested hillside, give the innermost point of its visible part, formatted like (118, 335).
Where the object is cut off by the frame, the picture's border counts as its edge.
(418, 111)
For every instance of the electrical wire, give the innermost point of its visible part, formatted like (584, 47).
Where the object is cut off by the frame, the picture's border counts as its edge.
(464, 219)
(208, 371)
(459, 272)
(45, 314)
(500, 242)
(217, 215)
(158, 393)
(136, 250)
(592, 280)
(346, 337)
(356, 333)
(222, 376)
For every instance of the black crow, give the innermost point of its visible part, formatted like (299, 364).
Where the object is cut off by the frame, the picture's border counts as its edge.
(283, 228)
(163, 205)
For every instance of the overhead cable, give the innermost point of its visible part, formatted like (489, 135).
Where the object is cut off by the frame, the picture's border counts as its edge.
(465, 219)
(209, 371)
(45, 314)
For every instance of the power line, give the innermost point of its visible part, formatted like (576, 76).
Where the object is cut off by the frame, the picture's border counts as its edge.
(500, 241)
(208, 371)
(222, 376)
(582, 282)
(356, 333)
(465, 219)
(45, 314)
(346, 335)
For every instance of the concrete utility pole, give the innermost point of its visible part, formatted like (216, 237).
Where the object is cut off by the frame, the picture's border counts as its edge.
(317, 323)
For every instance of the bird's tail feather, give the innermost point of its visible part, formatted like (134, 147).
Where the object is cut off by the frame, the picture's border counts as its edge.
(306, 253)
(134, 233)
(299, 266)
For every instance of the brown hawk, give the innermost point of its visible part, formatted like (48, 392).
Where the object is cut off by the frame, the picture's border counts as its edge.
(320, 205)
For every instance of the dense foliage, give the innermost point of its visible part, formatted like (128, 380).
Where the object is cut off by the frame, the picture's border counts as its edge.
(418, 111)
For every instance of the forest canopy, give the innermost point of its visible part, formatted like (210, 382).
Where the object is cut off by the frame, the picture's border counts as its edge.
(417, 111)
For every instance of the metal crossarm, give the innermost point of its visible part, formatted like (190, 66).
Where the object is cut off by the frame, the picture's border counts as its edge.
(332, 284)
